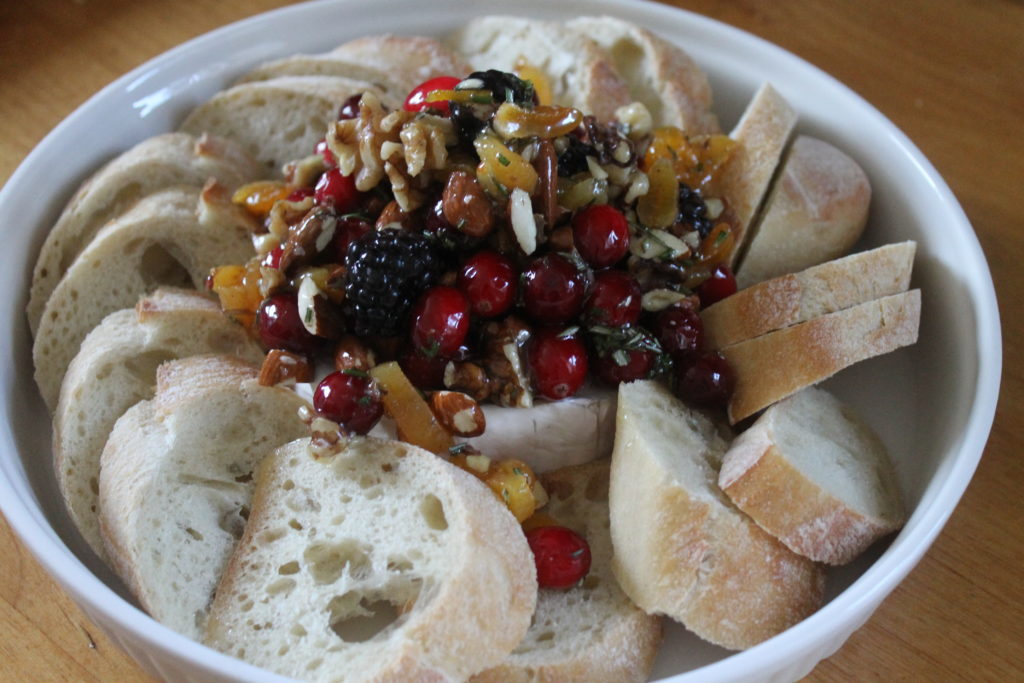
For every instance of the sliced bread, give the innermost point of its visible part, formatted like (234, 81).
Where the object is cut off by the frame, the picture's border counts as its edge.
(381, 562)
(771, 367)
(325, 65)
(176, 481)
(826, 288)
(812, 473)
(816, 211)
(661, 75)
(581, 74)
(591, 632)
(761, 136)
(114, 369)
(159, 241)
(408, 60)
(154, 164)
(280, 119)
(681, 547)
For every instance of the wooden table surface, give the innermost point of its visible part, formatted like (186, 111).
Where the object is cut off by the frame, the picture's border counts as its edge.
(947, 72)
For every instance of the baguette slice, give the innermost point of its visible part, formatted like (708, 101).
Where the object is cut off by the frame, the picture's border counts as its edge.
(681, 547)
(160, 241)
(761, 137)
(580, 73)
(115, 369)
(176, 481)
(381, 562)
(661, 75)
(816, 211)
(409, 60)
(771, 367)
(154, 164)
(325, 65)
(811, 473)
(591, 632)
(826, 288)
(278, 120)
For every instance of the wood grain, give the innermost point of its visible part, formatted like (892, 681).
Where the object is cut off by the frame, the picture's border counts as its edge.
(947, 72)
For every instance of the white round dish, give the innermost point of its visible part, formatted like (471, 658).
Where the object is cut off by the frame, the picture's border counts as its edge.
(932, 404)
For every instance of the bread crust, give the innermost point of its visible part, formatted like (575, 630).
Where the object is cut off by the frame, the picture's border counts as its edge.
(681, 548)
(775, 365)
(816, 211)
(163, 161)
(789, 299)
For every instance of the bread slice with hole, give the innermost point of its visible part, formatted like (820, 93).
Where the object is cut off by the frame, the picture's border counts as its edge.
(380, 562)
(409, 60)
(176, 481)
(761, 136)
(591, 632)
(581, 74)
(661, 75)
(813, 474)
(682, 549)
(172, 237)
(775, 365)
(278, 120)
(114, 369)
(790, 299)
(160, 162)
(816, 211)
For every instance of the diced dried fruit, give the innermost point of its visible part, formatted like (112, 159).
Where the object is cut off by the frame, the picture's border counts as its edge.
(696, 161)
(660, 206)
(260, 196)
(545, 121)
(415, 422)
(541, 85)
(500, 169)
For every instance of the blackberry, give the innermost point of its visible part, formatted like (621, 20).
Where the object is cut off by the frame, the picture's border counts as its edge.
(506, 87)
(387, 271)
(573, 159)
(693, 211)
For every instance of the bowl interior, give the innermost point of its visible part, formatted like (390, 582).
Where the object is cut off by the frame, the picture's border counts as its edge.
(932, 404)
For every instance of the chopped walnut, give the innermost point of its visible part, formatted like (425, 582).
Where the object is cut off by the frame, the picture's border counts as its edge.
(505, 362)
(468, 378)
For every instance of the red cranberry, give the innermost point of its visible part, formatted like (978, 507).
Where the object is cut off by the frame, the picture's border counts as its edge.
(280, 327)
(440, 322)
(679, 329)
(299, 193)
(706, 379)
(425, 372)
(347, 231)
(623, 365)
(562, 556)
(488, 280)
(273, 258)
(721, 284)
(350, 108)
(601, 235)
(337, 190)
(615, 300)
(417, 99)
(350, 398)
(553, 290)
(324, 151)
(558, 363)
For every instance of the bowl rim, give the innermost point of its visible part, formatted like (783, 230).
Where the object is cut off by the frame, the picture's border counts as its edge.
(855, 603)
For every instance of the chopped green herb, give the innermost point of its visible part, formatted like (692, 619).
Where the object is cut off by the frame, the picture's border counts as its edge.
(503, 160)
(457, 448)
(355, 372)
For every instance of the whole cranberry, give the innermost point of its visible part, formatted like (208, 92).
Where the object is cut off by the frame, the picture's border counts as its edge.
(561, 555)
(417, 98)
(679, 329)
(558, 363)
(440, 322)
(272, 259)
(615, 299)
(721, 284)
(324, 151)
(705, 379)
(553, 290)
(425, 372)
(350, 398)
(280, 327)
(623, 365)
(350, 108)
(601, 235)
(488, 279)
(337, 190)
(299, 193)
(347, 231)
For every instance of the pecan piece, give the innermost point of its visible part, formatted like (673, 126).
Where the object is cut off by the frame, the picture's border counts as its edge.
(392, 214)
(468, 378)
(284, 367)
(351, 354)
(466, 206)
(308, 237)
(546, 165)
(505, 362)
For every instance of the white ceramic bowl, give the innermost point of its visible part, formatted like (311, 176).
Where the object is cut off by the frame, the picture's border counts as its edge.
(933, 403)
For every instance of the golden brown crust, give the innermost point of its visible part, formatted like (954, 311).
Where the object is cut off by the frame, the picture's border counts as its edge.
(770, 367)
